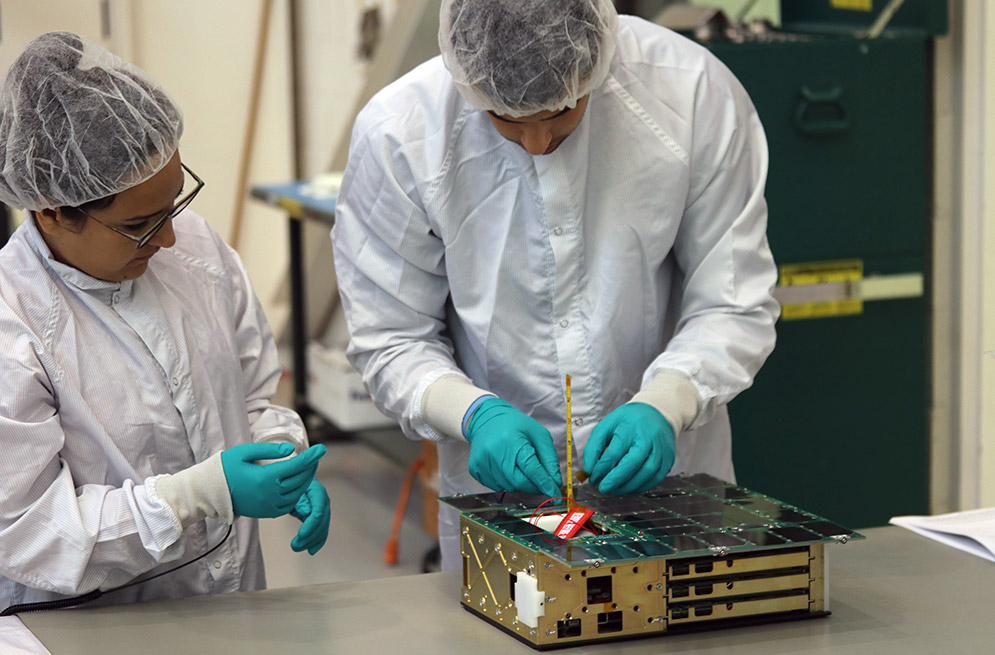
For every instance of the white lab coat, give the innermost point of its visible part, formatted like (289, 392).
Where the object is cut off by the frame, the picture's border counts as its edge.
(104, 386)
(638, 245)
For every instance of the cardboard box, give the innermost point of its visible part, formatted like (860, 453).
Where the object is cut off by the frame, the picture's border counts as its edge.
(336, 391)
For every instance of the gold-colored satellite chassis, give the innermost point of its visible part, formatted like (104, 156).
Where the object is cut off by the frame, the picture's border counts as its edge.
(649, 596)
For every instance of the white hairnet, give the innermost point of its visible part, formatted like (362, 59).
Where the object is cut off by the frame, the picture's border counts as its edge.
(77, 123)
(520, 57)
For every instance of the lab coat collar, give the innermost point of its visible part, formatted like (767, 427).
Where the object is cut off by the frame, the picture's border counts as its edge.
(101, 289)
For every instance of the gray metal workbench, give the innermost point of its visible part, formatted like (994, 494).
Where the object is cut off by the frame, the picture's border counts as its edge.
(896, 592)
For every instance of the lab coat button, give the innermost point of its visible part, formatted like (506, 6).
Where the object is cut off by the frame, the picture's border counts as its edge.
(176, 382)
(579, 421)
(564, 323)
(217, 564)
(557, 231)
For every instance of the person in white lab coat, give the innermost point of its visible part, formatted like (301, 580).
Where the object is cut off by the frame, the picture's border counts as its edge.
(136, 365)
(563, 191)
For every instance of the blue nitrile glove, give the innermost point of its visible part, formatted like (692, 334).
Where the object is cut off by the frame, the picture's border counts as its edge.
(510, 451)
(315, 514)
(268, 490)
(630, 451)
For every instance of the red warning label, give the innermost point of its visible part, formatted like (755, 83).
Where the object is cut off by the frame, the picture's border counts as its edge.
(573, 521)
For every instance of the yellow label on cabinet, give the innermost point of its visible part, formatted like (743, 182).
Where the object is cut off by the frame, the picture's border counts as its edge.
(855, 5)
(820, 289)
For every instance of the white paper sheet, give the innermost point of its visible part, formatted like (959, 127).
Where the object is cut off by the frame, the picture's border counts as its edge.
(16, 639)
(972, 531)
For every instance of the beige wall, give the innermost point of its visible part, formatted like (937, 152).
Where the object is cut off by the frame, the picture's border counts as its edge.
(944, 464)
(972, 260)
(963, 281)
(202, 52)
(986, 181)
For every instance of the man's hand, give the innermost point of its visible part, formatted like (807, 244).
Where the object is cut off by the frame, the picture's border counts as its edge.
(510, 451)
(630, 451)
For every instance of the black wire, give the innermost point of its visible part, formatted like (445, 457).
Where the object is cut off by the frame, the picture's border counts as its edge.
(75, 601)
(63, 603)
(175, 568)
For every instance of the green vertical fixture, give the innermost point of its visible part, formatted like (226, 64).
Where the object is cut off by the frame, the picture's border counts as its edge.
(837, 420)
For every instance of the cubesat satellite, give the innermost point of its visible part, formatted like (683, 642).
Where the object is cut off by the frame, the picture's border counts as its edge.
(695, 553)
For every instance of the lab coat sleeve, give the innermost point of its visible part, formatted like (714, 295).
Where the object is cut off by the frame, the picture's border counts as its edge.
(390, 266)
(260, 363)
(54, 535)
(726, 327)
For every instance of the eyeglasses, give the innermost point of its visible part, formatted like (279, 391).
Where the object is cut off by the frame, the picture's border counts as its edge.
(146, 236)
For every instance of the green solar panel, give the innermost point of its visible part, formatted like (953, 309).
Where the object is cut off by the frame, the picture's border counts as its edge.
(689, 516)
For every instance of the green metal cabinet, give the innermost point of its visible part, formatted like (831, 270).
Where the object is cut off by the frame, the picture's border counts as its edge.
(837, 420)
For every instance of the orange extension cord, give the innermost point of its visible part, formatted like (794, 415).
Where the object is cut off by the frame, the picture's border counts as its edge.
(390, 552)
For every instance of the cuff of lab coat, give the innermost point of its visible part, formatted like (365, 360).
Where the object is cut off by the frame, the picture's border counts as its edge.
(672, 394)
(198, 492)
(446, 402)
(270, 423)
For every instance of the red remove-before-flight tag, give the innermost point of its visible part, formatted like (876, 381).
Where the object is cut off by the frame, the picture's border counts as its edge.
(573, 522)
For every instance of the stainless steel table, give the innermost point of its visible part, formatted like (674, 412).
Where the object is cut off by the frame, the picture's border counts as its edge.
(896, 592)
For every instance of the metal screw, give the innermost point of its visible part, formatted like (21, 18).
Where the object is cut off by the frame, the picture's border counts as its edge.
(497, 612)
(550, 632)
(466, 530)
(532, 564)
(550, 599)
(597, 563)
(549, 565)
(497, 548)
(481, 602)
(514, 622)
(514, 556)
(842, 539)
(480, 539)
(532, 632)
(466, 595)
(658, 619)
(659, 586)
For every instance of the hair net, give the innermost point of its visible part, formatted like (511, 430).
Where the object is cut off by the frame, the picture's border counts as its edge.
(520, 57)
(78, 123)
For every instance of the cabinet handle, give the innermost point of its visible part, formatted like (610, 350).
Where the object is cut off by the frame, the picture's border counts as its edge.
(827, 102)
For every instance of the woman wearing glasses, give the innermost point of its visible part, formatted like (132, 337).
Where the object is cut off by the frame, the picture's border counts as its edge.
(136, 366)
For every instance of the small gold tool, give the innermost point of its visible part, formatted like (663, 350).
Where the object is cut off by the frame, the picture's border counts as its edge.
(570, 450)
